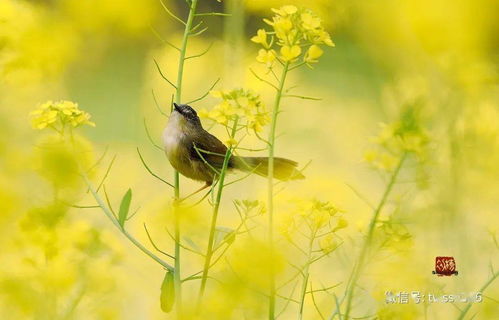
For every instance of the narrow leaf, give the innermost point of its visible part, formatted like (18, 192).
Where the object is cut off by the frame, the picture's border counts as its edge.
(191, 243)
(224, 234)
(167, 297)
(124, 208)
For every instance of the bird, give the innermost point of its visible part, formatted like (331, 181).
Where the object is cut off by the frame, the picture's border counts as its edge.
(197, 154)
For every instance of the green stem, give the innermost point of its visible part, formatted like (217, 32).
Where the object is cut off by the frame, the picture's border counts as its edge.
(176, 177)
(306, 275)
(111, 217)
(234, 41)
(211, 239)
(482, 289)
(270, 188)
(365, 246)
(183, 50)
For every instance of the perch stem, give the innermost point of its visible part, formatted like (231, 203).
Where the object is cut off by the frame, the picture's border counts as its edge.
(270, 188)
(178, 97)
(216, 206)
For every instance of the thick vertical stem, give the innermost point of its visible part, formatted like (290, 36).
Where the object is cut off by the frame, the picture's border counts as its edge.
(233, 42)
(362, 256)
(270, 188)
(214, 217)
(178, 98)
(183, 50)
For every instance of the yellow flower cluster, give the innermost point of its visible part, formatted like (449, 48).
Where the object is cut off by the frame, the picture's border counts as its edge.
(394, 236)
(321, 218)
(51, 114)
(328, 244)
(318, 213)
(292, 30)
(403, 136)
(240, 104)
(60, 256)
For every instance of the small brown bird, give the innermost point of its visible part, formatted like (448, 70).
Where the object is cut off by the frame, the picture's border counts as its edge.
(184, 134)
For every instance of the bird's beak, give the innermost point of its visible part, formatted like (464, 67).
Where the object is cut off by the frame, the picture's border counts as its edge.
(176, 107)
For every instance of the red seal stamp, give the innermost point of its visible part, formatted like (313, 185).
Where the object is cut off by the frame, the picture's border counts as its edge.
(445, 266)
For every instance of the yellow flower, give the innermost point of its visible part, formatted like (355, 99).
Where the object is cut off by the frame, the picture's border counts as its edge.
(282, 26)
(261, 37)
(81, 118)
(413, 143)
(287, 226)
(42, 107)
(203, 113)
(289, 9)
(381, 160)
(65, 111)
(216, 93)
(310, 22)
(285, 10)
(342, 223)
(290, 53)
(269, 22)
(218, 116)
(387, 162)
(328, 244)
(293, 29)
(223, 112)
(406, 135)
(370, 156)
(43, 116)
(244, 104)
(257, 121)
(325, 38)
(313, 53)
(231, 142)
(68, 108)
(320, 218)
(44, 119)
(266, 56)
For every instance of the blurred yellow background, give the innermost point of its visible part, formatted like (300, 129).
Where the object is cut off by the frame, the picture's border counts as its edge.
(68, 263)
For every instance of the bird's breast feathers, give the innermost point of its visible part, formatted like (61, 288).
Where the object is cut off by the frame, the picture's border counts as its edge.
(178, 139)
(173, 136)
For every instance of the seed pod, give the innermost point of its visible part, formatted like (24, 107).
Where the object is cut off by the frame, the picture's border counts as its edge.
(167, 297)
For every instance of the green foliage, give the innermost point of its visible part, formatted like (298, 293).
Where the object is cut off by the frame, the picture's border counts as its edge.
(124, 208)
(167, 297)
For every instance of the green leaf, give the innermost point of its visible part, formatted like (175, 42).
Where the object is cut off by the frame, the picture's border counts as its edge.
(224, 234)
(191, 243)
(167, 297)
(124, 208)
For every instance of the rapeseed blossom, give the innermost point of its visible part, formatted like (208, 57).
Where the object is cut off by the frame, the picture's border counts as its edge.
(321, 218)
(295, 33)
(328, 244)
(245, 105)
(59, 114)
(404, 136)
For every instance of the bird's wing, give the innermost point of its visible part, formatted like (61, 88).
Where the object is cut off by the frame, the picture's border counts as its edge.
(209, 149)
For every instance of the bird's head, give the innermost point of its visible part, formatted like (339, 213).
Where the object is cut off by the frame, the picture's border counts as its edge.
(187, 114)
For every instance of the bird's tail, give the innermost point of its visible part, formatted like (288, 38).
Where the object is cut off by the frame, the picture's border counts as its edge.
(284, 169)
